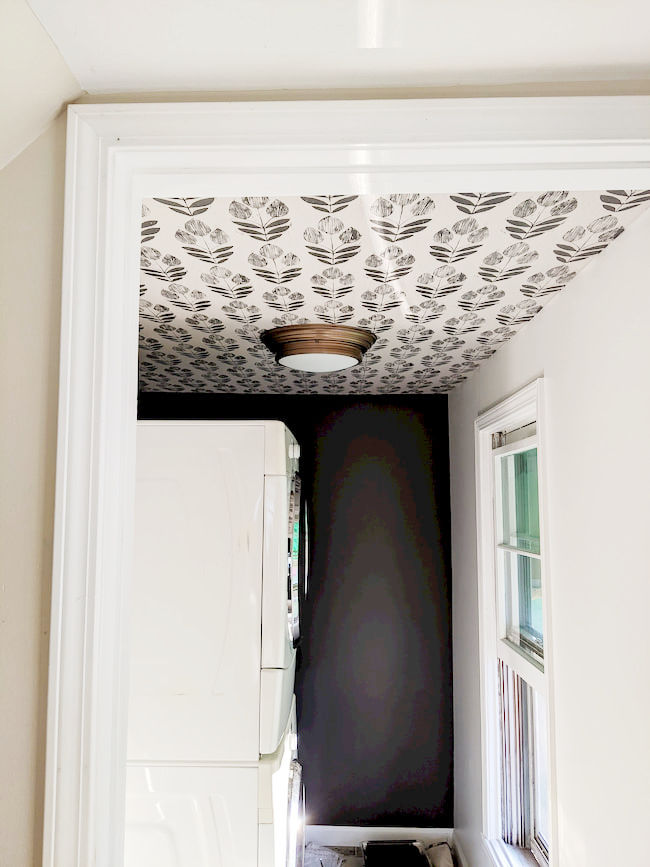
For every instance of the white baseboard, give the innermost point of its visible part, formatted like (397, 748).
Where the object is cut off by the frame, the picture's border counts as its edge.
(458, 849)
(349, 835)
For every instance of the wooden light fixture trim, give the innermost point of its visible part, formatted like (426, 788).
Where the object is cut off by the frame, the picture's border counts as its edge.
(311, 338)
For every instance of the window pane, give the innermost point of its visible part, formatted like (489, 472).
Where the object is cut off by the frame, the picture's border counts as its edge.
(514, 699)
(521, 580)
(520, 501)
(541, 822)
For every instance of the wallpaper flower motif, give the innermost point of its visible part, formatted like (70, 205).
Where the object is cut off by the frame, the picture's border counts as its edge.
(442, 280)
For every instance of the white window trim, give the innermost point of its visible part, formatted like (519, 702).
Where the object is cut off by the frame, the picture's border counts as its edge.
(520, 409)
(118, 154)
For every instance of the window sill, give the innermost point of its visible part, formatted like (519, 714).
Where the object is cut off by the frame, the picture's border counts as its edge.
(504, 855)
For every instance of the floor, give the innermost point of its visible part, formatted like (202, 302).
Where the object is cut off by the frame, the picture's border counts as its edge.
(438, 855)
(326, 856)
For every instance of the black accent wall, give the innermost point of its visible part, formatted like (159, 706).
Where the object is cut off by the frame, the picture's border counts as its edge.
(374, 681)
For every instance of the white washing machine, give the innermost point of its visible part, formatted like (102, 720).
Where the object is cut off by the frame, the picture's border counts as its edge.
(214, 620)
(217, 816)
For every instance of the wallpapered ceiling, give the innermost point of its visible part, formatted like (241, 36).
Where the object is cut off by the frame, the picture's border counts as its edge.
(443, 281)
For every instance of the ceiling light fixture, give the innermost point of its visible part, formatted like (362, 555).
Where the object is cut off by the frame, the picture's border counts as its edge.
(318, 348)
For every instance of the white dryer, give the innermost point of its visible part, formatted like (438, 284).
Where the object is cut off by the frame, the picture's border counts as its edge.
(211, 732)
(213, 616)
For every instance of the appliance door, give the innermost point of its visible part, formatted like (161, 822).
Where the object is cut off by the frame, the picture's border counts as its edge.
(184, 816)
(281, 804)
(277, 612)
(295, 561)
(296, 817)
(305, 539)
(282, 570)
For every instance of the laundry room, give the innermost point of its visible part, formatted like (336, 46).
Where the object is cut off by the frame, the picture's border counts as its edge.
(373, 671)
(371, 613)
(266, 329)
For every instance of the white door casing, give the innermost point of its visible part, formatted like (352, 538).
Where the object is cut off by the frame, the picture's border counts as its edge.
(118, 154)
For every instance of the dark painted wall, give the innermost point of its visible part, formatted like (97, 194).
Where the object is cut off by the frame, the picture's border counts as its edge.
(374, 679)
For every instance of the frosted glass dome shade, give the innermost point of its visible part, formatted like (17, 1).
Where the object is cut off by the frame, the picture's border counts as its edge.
(318, 362)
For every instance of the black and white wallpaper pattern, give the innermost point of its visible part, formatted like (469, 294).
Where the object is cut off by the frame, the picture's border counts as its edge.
(443, 280)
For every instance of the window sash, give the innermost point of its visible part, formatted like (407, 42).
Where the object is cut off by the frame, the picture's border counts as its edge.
(523, 733)
(501, 546)
(500, 535)
(522, 686)
(514, 699)
(526, 664)
(530, 442)
(518, 622)
(540, 807)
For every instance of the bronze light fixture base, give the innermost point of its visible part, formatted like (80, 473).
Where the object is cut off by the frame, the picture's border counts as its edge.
(318, 348)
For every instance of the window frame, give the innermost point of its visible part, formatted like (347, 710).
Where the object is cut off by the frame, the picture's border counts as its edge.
(520, 409)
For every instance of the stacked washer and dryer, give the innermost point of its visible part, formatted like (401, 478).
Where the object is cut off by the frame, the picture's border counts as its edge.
(212, 775)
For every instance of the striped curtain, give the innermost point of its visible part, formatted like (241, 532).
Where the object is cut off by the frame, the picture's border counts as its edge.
(514, 698)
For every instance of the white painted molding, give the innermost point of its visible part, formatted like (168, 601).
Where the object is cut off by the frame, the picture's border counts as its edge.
(118, 154)
(519, 409)
(458, 850)
(93, 521)
(353, 835)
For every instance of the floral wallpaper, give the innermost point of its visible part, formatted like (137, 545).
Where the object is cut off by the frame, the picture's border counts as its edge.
(442, 280)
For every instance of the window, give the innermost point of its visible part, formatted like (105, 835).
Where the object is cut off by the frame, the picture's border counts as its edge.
(514, 632)
(518, 547)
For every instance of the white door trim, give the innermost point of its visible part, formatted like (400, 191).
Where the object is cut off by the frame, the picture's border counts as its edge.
(116, 155)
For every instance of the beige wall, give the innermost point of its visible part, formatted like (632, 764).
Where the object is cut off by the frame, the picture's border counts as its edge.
(35, 81)
(31, 217)
(591, 345)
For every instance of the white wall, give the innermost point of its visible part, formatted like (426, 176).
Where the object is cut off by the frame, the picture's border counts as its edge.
(593, 347)
(31, 217)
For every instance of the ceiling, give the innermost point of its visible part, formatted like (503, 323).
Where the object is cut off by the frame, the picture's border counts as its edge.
(220, 45)
(442, 280)
(55, 50)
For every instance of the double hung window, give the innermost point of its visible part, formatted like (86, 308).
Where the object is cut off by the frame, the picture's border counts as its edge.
(515, 641)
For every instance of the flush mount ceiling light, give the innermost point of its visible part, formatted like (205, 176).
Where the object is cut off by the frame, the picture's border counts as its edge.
(318, 348)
